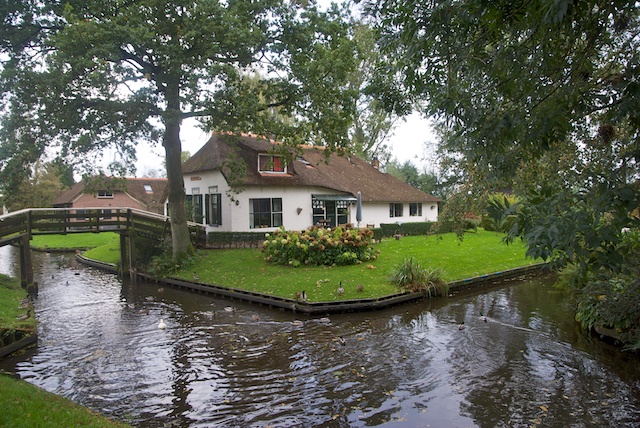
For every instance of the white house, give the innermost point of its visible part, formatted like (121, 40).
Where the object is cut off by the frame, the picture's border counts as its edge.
(294, 190)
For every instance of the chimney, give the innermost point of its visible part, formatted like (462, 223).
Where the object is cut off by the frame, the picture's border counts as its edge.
(375, 163)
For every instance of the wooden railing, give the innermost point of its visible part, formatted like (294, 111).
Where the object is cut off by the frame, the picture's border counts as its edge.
(62, 221)
(19, 226)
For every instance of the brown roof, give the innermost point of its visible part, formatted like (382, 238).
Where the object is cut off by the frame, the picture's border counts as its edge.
(135, 187)
(341, 173)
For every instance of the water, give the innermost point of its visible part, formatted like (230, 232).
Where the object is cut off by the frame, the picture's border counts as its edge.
(228, 364)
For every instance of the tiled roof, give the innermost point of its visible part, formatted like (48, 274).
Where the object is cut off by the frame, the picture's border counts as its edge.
(135, 187)
(341, 173)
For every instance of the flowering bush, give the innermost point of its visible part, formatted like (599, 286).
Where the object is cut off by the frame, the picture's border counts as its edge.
(319, 246)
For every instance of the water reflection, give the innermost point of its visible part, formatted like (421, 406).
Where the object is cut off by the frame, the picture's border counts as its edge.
(228, 364)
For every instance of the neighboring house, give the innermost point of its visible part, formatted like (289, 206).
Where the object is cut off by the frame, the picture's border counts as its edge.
(297, 191)
(146, 194)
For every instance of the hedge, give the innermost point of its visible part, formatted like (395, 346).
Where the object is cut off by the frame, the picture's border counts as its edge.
(387, 230)
(235, 239)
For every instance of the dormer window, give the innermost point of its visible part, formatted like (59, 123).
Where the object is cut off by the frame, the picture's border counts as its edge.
(148, 188)
(104, 194)
(272, 164)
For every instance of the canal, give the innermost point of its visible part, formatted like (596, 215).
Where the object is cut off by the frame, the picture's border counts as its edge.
(225, 363)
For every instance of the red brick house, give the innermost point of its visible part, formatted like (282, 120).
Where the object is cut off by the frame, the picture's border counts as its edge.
(146, 194)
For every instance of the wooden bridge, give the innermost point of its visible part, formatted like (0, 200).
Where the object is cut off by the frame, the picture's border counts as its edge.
(18, 227)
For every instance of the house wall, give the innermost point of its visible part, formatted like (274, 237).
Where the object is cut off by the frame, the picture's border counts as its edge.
(235, 213)
(119, 200)
(377, 213)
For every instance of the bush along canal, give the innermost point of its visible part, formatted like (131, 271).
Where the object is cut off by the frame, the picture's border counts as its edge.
(504, 356)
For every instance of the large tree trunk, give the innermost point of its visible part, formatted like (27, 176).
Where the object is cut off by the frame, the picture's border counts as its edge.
(180, 240)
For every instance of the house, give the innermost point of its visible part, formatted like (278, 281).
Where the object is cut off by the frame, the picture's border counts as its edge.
(294, 190)
(146, 194)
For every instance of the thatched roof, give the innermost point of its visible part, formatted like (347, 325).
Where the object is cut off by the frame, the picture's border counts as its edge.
(311, 167)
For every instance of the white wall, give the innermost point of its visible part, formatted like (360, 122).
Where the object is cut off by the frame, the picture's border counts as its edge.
(235, 213)
(376, 213)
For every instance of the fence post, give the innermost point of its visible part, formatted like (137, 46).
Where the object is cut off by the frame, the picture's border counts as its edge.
(124, 265)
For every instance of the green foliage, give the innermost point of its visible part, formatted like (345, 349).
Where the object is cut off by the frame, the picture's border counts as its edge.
(319, 246)
(501, 209)
(412, 277)
(405, 229)
(612, 302)
(163, 262)
(234, 239)
(409, 173)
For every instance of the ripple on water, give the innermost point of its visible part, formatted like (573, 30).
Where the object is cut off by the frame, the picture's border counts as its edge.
(406, 366)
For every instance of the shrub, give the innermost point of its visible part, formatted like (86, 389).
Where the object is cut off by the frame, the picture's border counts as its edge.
(319, 246)
(163, 264)
(412, 277)
(406, 229)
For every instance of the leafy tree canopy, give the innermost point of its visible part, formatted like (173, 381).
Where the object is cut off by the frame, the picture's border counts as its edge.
(82, 75)
(533, 85)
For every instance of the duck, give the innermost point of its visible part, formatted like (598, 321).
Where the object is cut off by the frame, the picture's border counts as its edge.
(195, 276)
(25, 316)
(255, 317)
(483, 317)
(298, 295)
(229, 309)
(461, 326)
(161, 324)
(360, 288)
(340, 289)
(161, 290)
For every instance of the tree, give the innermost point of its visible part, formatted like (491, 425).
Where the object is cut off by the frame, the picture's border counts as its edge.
(82, 75)
(39, 190)
(510, 81)
(409, 173)
(373, 123)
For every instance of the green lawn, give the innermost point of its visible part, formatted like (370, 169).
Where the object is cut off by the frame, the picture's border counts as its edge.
(11, 295)
(479, 253)
(26, 406)
(74, 240)
(108, 253)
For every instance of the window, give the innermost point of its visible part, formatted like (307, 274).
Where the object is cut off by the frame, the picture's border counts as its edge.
(213, 204)
(148, 188)
(194, 205)
(104, 194)
(271, 163)
(395, 210)
(265, 212)
(415, 209)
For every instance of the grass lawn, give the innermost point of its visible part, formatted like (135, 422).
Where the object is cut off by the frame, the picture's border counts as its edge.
(26, 405)
(107, 253)
(11, 293)
(73, 240)
(479, 253)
